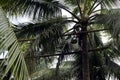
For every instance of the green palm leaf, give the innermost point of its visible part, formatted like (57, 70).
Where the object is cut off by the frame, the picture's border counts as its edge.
(110, 20)
(35, 9)
(46, 36)
(14, 61)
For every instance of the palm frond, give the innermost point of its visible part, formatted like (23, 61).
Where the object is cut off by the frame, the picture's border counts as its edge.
(110, 20)
(112, 68)
(35, 29)
(109, 3)
(8, 2)
(14, 61)
(46, 37)
(35, 9)
(43, 9)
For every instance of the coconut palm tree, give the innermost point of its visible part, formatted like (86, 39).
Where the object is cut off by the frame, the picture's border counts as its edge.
(87, 16)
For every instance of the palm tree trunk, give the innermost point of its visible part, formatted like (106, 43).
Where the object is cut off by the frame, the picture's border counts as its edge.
(85, 59)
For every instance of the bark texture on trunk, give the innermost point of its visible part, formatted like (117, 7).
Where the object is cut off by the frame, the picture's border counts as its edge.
(85, 58)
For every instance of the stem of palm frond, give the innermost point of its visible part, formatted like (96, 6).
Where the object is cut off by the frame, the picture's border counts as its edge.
(69, 53)
(71, 21)
(72, 14)
(68, 30)
(85, 5)
(78, 3)
(21, 40)
(93, 8)
(85, 32)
